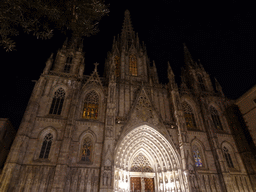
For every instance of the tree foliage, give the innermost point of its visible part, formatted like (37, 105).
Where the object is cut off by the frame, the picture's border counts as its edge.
(42, 17)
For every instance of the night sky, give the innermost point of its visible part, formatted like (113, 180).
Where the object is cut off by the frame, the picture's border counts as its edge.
(222, 36)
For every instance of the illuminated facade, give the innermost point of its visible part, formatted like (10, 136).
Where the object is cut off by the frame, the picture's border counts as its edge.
(124, 131)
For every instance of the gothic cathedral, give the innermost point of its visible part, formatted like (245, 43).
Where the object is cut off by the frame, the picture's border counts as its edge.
(124, 131)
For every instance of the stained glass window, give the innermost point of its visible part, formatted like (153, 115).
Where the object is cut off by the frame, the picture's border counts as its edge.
(141, 164)
(133, 65)
(57, 102)
(197, 157)
(215, 118)
(117, 63)
(86, 152)
(91, 105)
(68, 65)
(189, 116)
(45, 150)
(201, 82)
(228, 157)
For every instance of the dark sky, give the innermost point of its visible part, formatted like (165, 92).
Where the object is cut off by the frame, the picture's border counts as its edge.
(222, 36)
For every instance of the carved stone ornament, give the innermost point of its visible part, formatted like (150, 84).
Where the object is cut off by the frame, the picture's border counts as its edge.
(143, 108)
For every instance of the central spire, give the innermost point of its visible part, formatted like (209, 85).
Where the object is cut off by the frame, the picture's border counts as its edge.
(127, 34)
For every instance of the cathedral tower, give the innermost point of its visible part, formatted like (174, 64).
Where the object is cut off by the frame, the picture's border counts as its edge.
(129, 55)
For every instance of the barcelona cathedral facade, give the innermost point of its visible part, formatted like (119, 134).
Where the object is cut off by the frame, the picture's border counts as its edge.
(125, 131)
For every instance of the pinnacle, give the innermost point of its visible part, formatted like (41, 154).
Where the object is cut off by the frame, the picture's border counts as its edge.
(96, 64)
(127, 12)
(127, 34)
(169, 68)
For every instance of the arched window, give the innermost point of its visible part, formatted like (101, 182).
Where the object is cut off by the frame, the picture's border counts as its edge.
(133, 65)
(189, 116)
(86, 151)
(201, 82)
(68, 65)
(117, 63)
(215, 118)
(197, 156)
(91, 105)
(45, 150)
(57, 102)
(228, 157)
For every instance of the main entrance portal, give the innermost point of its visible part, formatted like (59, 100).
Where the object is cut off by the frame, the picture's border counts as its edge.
(145, 161)
(140, 184)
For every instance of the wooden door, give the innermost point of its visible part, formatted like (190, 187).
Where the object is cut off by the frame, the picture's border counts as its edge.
(149, 184)
(136, 182)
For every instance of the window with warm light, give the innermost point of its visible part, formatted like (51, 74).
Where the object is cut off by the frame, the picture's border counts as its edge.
(91, 105)
(133, 65)
(189, 116)
(86, 151)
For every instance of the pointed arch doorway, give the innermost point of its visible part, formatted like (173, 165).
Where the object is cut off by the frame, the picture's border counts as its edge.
(141, 173)
(146, 161)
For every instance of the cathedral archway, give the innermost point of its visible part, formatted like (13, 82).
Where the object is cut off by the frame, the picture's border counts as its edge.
(155, 158)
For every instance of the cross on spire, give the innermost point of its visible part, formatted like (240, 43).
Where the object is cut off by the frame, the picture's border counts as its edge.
(96, 64)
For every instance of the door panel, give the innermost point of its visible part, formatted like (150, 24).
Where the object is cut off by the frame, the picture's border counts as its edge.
(137, 185)
(149, 184)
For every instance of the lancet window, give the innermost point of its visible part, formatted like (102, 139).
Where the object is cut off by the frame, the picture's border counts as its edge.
(86, 151)
(201, 82)
(91, 105)
(57, 102)
(133, 65)
(197, 156)
(68, 65)
(45, 150)
(228, 157)
(141, 164)
(117, 63)
(215, 118)
(189, 116)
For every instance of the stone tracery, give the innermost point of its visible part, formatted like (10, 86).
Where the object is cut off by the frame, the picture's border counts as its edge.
(141, 164)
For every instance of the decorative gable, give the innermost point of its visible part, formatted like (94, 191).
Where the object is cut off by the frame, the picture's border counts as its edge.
(143, 107)
(94, 78)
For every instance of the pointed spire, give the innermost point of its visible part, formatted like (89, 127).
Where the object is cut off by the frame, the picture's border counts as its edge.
(127, 34)
(137, 41)
(171, 78)
(114, 43)
(48, 64)
(170, 71)
(187, 57)
(218, 87)
(200, 64)
(154, 64)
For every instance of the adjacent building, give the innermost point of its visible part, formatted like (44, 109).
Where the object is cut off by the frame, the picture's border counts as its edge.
(7, 135)
(247, 106)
